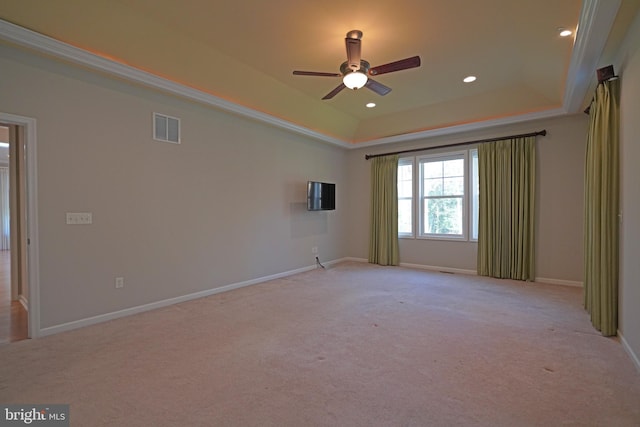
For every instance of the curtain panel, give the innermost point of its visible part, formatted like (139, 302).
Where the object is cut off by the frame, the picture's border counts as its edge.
(601, 208)
(383, 231)
(506, 234)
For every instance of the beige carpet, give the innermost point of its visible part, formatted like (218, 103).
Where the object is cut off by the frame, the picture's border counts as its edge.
(352, 345)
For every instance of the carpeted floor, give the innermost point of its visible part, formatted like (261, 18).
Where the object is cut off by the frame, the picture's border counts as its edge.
(352, 345)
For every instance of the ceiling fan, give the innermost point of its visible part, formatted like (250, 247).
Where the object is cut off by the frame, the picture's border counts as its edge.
(354, 70)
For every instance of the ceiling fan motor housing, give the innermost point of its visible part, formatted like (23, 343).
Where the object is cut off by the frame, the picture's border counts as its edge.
(364, 67)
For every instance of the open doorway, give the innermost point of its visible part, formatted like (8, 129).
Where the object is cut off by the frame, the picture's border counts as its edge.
(14, 298)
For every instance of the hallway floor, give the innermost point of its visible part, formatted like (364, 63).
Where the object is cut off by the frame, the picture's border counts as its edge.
(13, 316)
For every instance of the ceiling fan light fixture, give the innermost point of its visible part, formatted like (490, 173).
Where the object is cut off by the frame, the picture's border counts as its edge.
(354, 80)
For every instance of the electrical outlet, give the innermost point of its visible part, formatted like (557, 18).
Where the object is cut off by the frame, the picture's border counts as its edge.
(314, 250)
(119, 282)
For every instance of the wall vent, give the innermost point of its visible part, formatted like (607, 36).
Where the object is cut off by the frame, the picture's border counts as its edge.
(166, 128)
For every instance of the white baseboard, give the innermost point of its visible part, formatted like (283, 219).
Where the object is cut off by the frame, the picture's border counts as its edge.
(559, 282)
(333, 262)
(438, 269)
(417, 266)
(562, 282)
(471, 272)
(354, 259)
(159, 304)
(421, 266)
(634, 357)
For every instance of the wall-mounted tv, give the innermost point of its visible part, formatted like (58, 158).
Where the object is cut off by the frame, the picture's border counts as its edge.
(321, 196)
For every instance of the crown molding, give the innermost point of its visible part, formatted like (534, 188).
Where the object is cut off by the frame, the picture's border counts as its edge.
(595, 23)
(467, 127)
(596, 20)
(43, 44)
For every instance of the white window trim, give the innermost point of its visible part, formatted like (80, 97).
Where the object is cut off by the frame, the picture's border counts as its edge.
(470, 197)
(410, 161)
(450, 155)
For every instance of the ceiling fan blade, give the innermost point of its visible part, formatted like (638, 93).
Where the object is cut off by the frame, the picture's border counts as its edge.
(334, 92)
(315, 73)
(403, 64)
(353, 53)
(378, 88)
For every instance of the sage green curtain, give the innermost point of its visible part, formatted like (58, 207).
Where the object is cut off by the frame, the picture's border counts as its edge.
(383, 232)
(601, 207)
(506, 233)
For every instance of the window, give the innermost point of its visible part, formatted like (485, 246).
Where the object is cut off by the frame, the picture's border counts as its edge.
(475, 193)
(442, 192)
(445, 187)
(405, 197)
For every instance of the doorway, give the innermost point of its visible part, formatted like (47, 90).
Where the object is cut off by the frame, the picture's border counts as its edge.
(19, 292)
(13, 288)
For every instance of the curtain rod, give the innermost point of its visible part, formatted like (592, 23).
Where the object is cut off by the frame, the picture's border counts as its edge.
(457, 144)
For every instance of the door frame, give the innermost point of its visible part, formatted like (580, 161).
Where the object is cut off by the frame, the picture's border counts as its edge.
(31, 213)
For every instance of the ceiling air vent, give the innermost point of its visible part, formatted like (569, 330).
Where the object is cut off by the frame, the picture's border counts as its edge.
(166, 128)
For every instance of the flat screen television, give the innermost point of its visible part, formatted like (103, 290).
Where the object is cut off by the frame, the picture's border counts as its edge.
(321, 196)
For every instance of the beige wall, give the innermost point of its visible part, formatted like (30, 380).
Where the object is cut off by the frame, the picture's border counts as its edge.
(560, 160)
(629, 316)
(226, 206)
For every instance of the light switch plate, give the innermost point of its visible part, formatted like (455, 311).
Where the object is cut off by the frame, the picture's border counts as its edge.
(78, 218)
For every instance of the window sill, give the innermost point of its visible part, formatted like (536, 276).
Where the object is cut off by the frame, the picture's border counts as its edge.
(441, 239)
(448, 239)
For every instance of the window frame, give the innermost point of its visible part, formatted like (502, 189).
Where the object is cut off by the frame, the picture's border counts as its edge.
(439, 157)
(403, 162)
(468, 204)
(474, 203)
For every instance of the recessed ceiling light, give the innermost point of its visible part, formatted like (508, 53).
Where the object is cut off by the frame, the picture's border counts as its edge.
(371, 104)
(469, 79)
(565, 33)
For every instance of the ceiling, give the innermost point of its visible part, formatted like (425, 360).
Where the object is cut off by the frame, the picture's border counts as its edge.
(244, 52)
